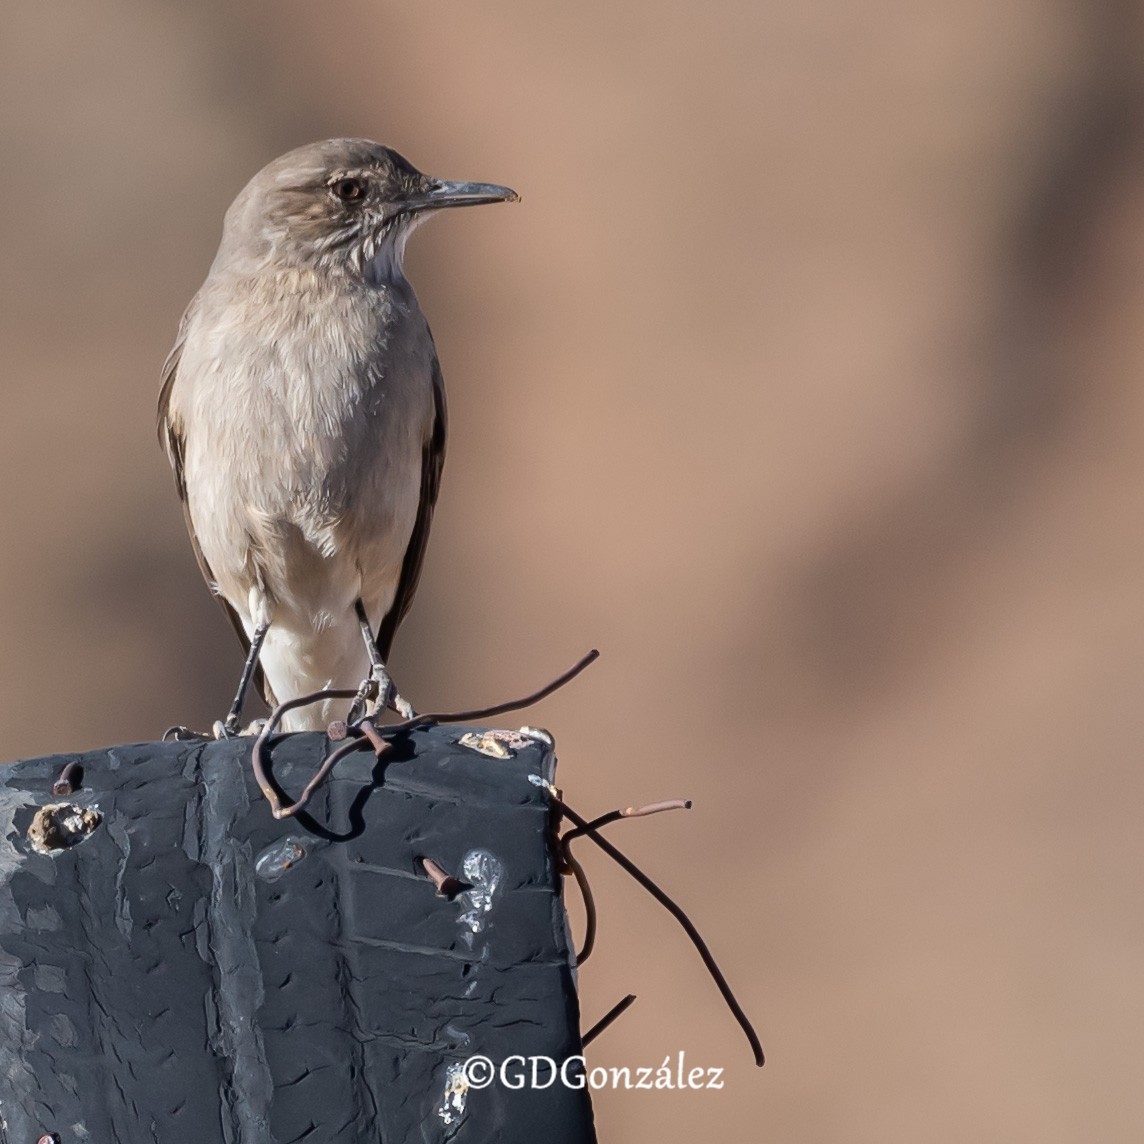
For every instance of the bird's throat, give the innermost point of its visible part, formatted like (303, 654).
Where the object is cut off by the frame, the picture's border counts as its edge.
(383, 265)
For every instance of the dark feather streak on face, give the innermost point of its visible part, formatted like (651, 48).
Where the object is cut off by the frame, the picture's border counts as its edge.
(321, 221)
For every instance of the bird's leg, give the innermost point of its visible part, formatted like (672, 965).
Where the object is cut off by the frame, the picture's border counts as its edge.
(387, 694)
(231, 726)
(358, 705)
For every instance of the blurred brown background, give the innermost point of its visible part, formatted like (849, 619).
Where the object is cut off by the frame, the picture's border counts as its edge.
(807, 381)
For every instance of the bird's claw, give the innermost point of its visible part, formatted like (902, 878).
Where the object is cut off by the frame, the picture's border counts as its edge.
(180, 734)
(379, 693)
(388, 697)
(225, 730)
(230, 729)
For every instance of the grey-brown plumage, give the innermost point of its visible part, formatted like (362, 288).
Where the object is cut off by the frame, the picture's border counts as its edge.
(303, 412)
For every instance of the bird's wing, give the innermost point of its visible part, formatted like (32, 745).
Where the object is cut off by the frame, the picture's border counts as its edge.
(432, 462)
(173, 439)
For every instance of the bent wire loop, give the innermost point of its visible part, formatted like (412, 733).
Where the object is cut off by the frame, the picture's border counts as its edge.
(365, 732)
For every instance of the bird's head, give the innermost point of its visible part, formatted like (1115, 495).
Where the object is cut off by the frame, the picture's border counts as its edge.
(343, 204)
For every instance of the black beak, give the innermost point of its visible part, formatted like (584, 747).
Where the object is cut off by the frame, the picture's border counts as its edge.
(440, 193)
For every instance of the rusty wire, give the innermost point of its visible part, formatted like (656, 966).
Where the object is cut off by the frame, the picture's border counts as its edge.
(615, 1011)
(590, 828)
(447, 885)
(500, 708)
(328, 763)
(365, 732)
(70, 779)
(589, 901)
(581, 877)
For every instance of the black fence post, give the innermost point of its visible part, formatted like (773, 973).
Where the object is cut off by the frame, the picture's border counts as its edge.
(177, 965)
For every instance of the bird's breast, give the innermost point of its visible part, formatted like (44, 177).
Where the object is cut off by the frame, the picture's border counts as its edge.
(305, 414)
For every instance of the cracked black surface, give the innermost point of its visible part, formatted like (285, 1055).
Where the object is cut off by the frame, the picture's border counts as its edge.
(154, 987)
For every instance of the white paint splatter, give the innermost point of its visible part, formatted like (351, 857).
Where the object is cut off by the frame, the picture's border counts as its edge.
(541, 781)
(452, 1106)
(483, 871)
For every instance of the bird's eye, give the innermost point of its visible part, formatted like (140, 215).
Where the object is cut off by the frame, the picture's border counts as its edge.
(348, 189)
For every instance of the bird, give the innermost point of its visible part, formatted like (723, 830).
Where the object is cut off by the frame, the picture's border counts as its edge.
(302, 409)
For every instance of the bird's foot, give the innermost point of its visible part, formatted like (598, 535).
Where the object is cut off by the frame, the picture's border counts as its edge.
(377, 694)
(366, 692)
(180, 734)
(388, 697)
(230, 729)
